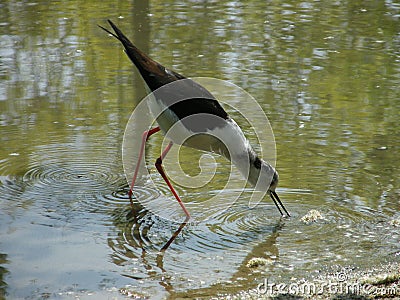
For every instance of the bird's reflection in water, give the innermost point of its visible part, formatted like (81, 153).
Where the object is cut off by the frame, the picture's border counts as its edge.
(141, 244)
(244, 277)
(156, 252)
(138, 234)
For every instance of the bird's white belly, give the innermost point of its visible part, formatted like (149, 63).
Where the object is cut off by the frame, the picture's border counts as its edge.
(168, 121)
(227, 140)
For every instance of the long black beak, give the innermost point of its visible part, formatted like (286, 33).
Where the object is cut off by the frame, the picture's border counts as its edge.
(275, 198)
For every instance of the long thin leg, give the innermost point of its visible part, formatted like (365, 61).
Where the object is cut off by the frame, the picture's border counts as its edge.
(145, 137)
(161, 171)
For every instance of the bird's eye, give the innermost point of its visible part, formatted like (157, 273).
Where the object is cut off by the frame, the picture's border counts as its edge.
(162, 69)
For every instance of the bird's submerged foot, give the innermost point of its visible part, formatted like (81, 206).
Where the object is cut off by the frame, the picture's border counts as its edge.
(130, 193)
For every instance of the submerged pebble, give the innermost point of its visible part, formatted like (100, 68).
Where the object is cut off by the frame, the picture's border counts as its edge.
(395, 222)
(258, 262)
(312, 216)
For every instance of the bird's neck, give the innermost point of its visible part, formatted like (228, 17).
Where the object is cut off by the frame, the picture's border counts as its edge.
(258, 173)
(244, 161)
(238, 150)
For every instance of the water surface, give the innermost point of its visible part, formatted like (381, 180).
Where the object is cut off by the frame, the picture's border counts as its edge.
(327, 75)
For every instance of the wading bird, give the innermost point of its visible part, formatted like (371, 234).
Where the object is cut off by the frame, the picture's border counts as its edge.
(202, 123)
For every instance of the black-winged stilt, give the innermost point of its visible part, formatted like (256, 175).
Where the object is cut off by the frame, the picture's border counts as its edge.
(203, 123)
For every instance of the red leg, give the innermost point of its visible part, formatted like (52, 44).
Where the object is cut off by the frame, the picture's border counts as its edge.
(161, 171)
(145, 137)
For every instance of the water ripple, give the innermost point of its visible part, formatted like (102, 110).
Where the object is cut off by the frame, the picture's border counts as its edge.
(60, 166)
(210, 246)
(62, 178)
(237, 234)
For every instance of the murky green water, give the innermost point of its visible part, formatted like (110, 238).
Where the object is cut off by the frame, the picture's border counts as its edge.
(326, 73)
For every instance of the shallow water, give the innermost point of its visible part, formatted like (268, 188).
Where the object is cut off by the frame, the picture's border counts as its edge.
(326, 74)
